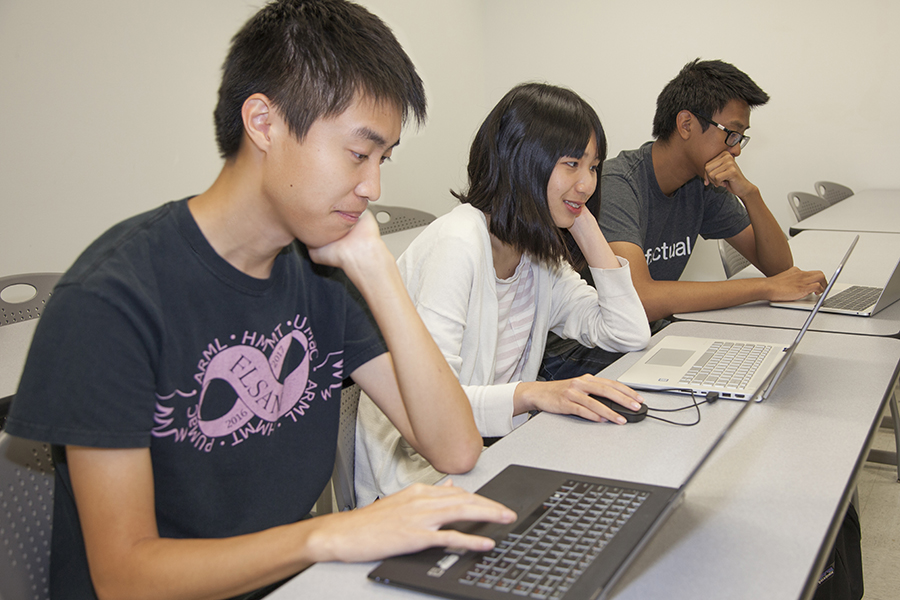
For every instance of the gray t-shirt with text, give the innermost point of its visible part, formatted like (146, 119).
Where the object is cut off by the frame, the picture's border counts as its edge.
(634, 209)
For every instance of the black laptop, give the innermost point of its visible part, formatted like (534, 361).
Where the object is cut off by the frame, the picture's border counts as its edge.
(574, 538)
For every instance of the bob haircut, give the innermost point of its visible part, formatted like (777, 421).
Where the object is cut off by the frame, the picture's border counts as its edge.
(312, 58)
(511, 160)
(704, 88)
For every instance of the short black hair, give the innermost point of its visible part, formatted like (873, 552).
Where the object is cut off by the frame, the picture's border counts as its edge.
(511, 160)
(312, 58)
(704, 88)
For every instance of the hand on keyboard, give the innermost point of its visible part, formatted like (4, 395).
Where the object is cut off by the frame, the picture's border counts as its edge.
(794, 284)
(404, 522)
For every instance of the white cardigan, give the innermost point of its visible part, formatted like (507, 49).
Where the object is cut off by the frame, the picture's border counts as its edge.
(449, 272)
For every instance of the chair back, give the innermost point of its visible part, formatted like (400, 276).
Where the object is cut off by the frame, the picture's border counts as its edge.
(832, 192)
(344, 491)
(26, 467)
(340, 494)
(22, 300)
(732, 260)
(26, 518)
(806, 205)
(22, 297)
(392, 219)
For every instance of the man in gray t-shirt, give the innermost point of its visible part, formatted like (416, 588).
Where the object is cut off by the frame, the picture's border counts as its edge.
(655, 200)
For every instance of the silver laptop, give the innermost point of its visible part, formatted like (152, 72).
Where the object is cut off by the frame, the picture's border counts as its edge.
(733, 369)
(574, 538)
(849, 299)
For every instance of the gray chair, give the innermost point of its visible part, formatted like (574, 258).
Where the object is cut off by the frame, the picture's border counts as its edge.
(832, 192)
(340, 494)
(732, 260)
(38, 287)
(806, 205)
(392, 219)
(26, 518)
(22, 300)
(26, 469)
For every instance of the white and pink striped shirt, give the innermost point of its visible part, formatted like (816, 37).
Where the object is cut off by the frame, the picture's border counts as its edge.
(515, 299)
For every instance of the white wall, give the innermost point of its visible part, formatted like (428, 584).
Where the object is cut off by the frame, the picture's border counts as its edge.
(108, 104)
(107, 111)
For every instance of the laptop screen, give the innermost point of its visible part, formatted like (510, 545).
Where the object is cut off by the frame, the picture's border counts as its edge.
(768, 386)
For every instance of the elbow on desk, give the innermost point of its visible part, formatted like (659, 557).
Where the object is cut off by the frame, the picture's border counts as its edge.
(634, 340)
(460, 459)
(640, 342)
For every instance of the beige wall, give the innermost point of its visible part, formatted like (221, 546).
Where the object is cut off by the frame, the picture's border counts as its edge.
(107, 104)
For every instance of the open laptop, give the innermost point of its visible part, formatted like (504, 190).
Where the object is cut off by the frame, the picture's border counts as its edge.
(575, 537)
(733, 369)
(849, 299)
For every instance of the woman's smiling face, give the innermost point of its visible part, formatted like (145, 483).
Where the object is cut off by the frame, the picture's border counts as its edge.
(572, 183)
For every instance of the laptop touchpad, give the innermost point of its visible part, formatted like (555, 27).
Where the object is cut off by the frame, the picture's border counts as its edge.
(670, 357)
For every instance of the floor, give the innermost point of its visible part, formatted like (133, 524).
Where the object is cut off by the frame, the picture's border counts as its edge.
(879, 499)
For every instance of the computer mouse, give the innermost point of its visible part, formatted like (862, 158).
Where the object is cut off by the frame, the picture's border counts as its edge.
(631, 416)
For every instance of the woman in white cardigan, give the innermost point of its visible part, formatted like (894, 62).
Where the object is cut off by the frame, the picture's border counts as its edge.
(491, 278)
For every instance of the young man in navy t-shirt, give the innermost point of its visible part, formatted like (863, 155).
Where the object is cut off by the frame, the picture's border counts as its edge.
(188, 368)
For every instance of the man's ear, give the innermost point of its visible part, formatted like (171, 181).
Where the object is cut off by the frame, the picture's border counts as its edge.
(257, 115)
(685, 123)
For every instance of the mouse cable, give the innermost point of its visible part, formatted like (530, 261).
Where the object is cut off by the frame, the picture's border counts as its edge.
(711, 397)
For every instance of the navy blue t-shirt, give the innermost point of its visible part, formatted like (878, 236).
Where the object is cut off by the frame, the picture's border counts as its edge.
(152, 340)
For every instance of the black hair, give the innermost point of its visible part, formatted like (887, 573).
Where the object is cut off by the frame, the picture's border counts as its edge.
(312, 58)
(704, 88)
(511, 160)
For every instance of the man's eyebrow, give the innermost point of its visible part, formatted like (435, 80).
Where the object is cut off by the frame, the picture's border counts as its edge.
(374, 137)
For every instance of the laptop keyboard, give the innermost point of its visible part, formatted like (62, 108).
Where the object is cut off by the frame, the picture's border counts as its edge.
(547, 552)
(726, 365)
(856, 297)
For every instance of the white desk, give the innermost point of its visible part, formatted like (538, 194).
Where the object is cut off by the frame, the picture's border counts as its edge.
(874, 257)
(760, 516)
(867, 210)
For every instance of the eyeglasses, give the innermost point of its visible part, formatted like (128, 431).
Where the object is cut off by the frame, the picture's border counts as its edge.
(732, 138)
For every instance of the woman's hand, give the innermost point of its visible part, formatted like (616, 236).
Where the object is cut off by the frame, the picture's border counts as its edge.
(593, 244)
(573, 397)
